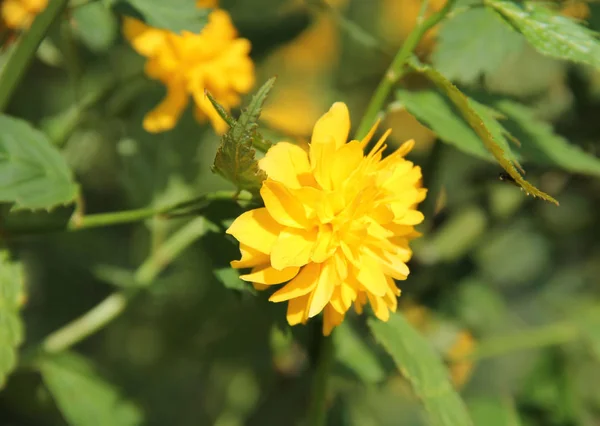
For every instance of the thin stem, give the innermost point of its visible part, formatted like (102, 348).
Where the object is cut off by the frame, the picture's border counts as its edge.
(128, 216)
(111, 307)
(396, 69)
(21, 56)
(550, 335)
(317, 409)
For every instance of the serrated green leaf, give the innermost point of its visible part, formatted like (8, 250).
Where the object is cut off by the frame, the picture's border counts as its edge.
(235, 159)
(474, 43)
(549, 32)
(541, 145)
(352, 352)
(33, 174)
(497, 411)
(95, 25)
(83, 397)
(481, 119)
(230, 278)
(436, 111)
(422, 367)
(11, 326)
(173, 15)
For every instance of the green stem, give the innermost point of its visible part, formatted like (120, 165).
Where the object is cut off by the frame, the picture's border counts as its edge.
(550, 335)
(111, 307)
(107, 219)
(396, 69)
(23, 53)
(317, 409)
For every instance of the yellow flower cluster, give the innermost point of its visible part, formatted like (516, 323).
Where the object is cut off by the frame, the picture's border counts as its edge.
(18, 14)
(336, 224)
(188, 63)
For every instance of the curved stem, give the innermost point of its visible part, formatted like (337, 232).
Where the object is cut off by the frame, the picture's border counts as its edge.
(23, 53)
(317, 409)
(128, 216)
(396, 69)
(111, 307)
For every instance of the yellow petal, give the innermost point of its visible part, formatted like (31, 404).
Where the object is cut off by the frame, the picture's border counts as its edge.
(165, 115)
(333, 126)
(320, 154)
(323, 248)
(345, 161)
(411, 217)
(268, 275)
(302, 284)
(293, 247)
(250, 258)
(144, 39)
(326, 283)
(286, 163)
(371, 276)
(296, 310)
(365, 141)
(256, 229)
(331, 319)
(282, 205)
(380, 309)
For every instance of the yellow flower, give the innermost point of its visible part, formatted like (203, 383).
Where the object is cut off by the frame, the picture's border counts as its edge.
(188, 63)
(18, 14)
(207, 3)
(336, 224)
(460, 365)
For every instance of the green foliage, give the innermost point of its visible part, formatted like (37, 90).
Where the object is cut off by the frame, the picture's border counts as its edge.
(464, 58)
(34, 174)
(174, 15)
(230, 278)
(490, 411)
(235, 159)
(11, 326)
(541, 145)
(353, 353)
(83, 397)
(490, 132)
(95, 25)
(550, 33)
(422, 367)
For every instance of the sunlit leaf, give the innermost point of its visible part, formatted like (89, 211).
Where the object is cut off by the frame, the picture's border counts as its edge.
(173, 15)
(549, 32)
(235, 159)
(422, 367)
(83, 397)
(488, 130)
(463, 57)
(33, 174)
(541, 145)
(230, 278)
(11, 326)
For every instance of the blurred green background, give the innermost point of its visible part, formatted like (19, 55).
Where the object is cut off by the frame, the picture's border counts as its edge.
(193, 351)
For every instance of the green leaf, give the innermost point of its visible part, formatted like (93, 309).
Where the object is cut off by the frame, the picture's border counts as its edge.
(490, 411)
(230, 278)
(436, 111)
(352, 352)
(474, 43)
(482, 120)
(173, 15)
(541, 145)
(11, 326)
(236, 158)
(33, 174)
(95, 25)
(549, 32)
(422, 367)
(82, 396)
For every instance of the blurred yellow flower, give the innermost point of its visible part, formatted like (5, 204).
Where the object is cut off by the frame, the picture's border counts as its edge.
(207, 3)
(187, 63)
(576, 9)
(336, 224)
(460, 366)
(19, 14)
(399, 18)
